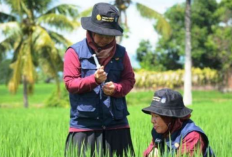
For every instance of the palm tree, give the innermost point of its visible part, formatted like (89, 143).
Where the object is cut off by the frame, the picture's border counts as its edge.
(122, 6)
(30, 33)
(188, 61)
(162, 25)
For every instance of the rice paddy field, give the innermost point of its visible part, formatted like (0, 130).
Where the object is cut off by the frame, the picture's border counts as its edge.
(41, 132)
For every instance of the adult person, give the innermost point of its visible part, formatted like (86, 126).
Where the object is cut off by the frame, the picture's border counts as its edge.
(98, 118)
(173, 131)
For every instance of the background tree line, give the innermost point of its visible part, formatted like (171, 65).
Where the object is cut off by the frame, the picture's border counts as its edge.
(211, 32)
(33, 35)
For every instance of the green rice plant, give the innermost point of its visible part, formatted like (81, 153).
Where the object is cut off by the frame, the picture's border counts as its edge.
(42, 132)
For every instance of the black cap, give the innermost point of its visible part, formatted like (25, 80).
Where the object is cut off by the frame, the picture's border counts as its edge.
(167, 102)
(104, 20)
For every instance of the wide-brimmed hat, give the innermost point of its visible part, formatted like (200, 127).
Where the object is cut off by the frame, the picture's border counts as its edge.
(104, 20)
(167, 102)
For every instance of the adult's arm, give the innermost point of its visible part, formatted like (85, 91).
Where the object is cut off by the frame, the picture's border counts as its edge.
(151, 150)
(127, 82)
(192, 143)
(72, 74)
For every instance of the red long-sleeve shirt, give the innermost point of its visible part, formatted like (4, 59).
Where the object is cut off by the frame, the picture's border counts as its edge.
(190, 144)
(75, 84)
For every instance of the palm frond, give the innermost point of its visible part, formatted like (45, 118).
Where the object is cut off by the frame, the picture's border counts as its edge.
(12, 37)
(42, 42)
(49, 58)
(11, 28)
(38, 6)
(85, 13)
(64, 9)
(162, 26)
(28, 66)
(7, 44)
(16, 78)
(22, 66)
(60, 22)
(59, 39)
(4, 17)
(17, 47)
(16, 67)
(41, 38)
(26, 10)
(50, 64)
(15, 5)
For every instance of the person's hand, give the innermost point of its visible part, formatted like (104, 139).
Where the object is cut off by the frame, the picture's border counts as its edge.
(100, 75)
(109, 88)
(154, 153)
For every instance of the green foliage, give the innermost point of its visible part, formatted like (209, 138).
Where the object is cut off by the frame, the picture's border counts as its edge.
(162, 26)
(202, 21)
(223, 47)
(41, 94)
(58, 99)
(46, 93)
(152, 60)
(42, 132)
(172, 79)
(30, 31)
(126, 31)
(4, 71)
(143, 98)
(146, 57)
(210, 39)
(146, 12)
(65, 9)
(222, 36)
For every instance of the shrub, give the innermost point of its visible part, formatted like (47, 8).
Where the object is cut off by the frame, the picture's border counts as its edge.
(58, 101)
(172, 79)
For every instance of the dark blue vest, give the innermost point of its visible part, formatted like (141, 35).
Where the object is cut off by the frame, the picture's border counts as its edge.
(174, 142)
(95, 110)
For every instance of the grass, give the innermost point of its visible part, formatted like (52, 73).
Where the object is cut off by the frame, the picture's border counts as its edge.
(37, 132)
(40, 94)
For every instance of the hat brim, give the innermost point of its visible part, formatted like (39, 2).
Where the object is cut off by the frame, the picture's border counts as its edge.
(178, 113)
(87, 24)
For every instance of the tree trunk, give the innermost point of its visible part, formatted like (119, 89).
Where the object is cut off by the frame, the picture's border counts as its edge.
(229, 80)
(226, 84)
(188, 61)
(25, 93)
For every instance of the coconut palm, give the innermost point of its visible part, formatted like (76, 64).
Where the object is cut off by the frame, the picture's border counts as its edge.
(188, 61)
(122, 6)
(162, 26)
(31, 32)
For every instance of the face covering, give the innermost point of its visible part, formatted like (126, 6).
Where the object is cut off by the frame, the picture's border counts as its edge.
(173, 124)
(104, 54)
